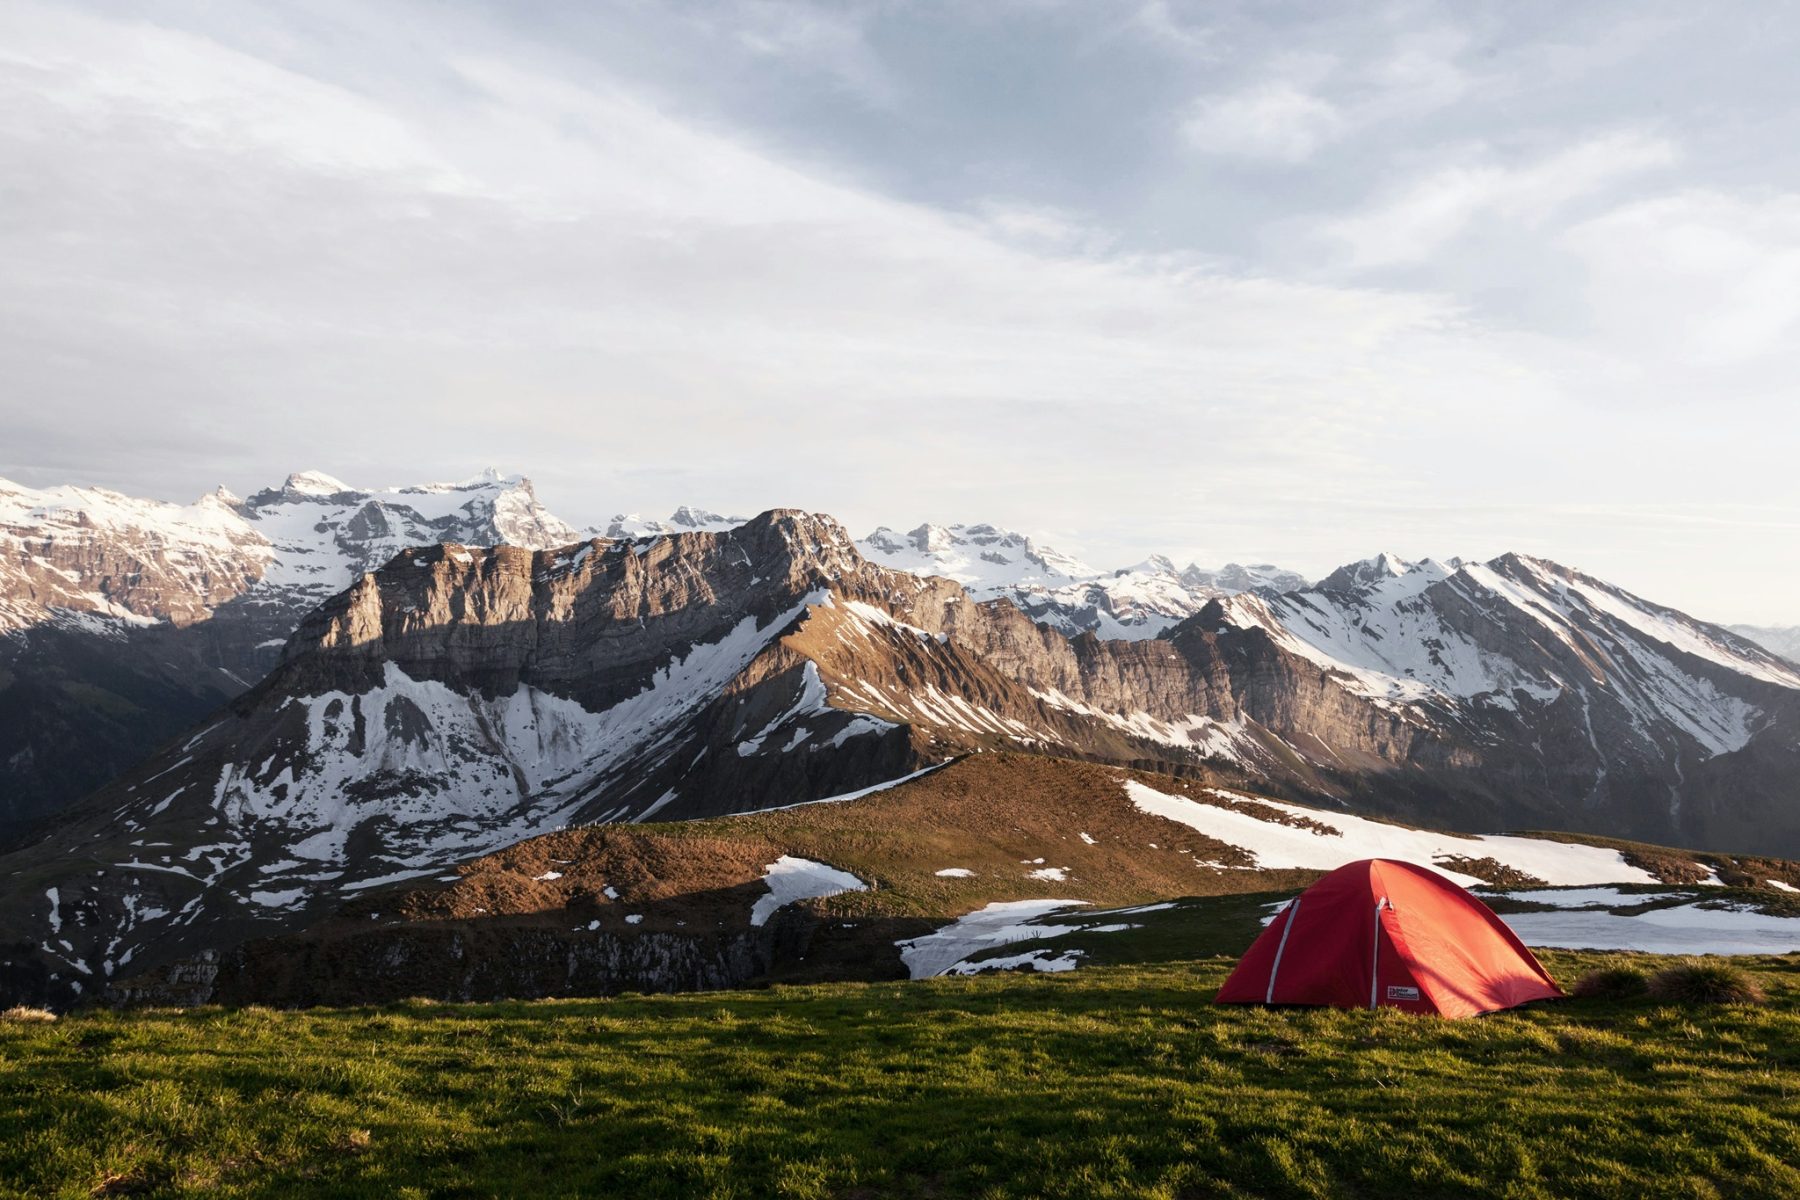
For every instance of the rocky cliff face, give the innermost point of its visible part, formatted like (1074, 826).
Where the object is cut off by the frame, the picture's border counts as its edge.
(462, 698)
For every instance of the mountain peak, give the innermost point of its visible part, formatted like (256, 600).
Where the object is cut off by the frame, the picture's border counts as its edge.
(685, 519)
(314, 483)
(1352, 577)
(1156, 564)
(1057, 589)
(981, 556)
(689, 517)
(930, 539)
(222, 497)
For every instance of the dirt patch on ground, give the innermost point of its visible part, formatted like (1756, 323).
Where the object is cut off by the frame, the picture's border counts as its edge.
(1754, 872)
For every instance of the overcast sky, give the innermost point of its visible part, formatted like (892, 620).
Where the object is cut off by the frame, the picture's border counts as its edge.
(1257, 282)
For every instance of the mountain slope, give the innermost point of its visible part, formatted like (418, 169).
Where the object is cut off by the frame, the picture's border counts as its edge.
(1556, 684)
(908, 880)
(1782, 639)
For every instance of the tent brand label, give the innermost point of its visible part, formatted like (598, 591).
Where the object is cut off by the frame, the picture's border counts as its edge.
(1396, 992)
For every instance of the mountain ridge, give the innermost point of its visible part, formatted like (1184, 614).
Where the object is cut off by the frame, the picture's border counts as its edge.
(459, 699)
(1134, 602)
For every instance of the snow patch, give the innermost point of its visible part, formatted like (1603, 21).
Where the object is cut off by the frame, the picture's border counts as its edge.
(1037, 960)
(790, 879)
(871, 790)
(1683, 929)
(997, 924)
(1276, 846)
(1589, 897)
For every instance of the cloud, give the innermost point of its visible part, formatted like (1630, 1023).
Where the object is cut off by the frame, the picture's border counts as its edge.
(548, 268)
(1158, 21)
(1044, 228)
(1416, 221)
(1702, 277)
(828, 40)
(1275, 121)
(399, 242)
(1297, 102)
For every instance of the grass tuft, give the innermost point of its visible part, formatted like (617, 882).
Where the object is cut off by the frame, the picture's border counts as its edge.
(22, 1013)
(1705, 983)
(1611, 983)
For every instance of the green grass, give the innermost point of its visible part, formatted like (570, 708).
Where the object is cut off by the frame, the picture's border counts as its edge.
(1104, 1082)
(1184, 929)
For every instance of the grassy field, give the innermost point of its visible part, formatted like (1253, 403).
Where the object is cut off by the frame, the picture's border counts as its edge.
(1105, 1082)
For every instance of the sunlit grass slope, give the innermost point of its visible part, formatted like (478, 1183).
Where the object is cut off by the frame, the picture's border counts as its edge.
(1108, 1081)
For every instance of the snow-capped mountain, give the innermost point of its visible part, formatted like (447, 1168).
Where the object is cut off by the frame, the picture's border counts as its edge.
(685, 519)
(461, 698)
(1782, 639)
(122, 620)
(1518, 631)
(1559, 685)
(322, 533)
(1054, 588)
(74, 550)
(980, 557)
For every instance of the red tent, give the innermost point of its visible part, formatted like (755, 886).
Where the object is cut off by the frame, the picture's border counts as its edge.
(1385, 933)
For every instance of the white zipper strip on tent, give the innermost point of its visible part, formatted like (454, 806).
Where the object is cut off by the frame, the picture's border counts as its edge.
(1375, 955)
(1293, 913)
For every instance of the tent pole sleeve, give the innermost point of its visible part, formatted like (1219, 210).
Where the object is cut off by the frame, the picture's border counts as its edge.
(1375, 954)
(1293, 912)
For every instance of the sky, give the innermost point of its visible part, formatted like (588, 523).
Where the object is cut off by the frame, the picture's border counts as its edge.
(1258, 282)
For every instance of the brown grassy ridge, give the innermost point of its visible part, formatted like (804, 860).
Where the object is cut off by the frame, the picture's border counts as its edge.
(1001, 816)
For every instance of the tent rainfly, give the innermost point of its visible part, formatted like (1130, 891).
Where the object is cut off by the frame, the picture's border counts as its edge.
(1385, 934)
